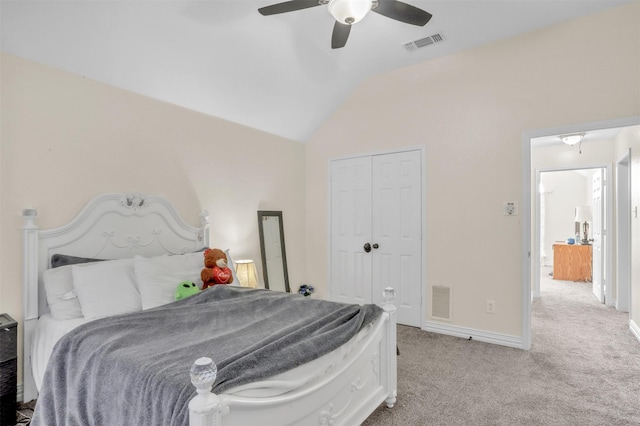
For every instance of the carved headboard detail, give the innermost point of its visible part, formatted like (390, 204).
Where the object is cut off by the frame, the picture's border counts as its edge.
(110, 226)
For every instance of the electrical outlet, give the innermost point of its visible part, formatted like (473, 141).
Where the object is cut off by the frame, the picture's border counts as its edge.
(491, 306)
(510, 208)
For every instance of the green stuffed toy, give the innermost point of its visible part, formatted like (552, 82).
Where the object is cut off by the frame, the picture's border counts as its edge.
(185, 289)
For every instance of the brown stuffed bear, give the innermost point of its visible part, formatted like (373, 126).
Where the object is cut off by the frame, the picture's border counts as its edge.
(215, 269)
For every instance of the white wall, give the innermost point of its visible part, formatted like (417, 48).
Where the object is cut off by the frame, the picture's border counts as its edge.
(66, 138)
(470, 111)
(564, 191)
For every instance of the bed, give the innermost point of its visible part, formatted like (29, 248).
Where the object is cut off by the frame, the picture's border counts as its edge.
(342, 385)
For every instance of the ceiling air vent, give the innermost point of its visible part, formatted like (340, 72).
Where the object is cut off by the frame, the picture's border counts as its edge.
(423, 42)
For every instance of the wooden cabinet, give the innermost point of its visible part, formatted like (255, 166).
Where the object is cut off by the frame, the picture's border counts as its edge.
(572, 262)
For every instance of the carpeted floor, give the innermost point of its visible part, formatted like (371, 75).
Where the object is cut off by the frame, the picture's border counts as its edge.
(25, 411)
(583, 369)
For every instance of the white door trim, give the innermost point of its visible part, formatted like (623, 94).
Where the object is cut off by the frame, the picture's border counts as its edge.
(623, 232)
(526, 205)
(422, 149)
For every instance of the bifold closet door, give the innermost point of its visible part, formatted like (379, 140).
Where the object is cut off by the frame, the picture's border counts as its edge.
(376, 231)
(351, 218)
(397, 231)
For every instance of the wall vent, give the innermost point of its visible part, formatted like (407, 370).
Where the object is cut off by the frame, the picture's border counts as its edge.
(423, 42)
(441, 302)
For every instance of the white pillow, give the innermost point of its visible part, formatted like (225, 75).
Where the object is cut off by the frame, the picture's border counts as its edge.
(158, 277)
(61, 298)
(106, 288)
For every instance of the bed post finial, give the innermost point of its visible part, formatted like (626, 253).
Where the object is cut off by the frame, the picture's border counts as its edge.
(204, 408)
(29, 216)
(389, 296)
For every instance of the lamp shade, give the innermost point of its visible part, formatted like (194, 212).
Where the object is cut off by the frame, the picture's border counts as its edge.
(246, 273)
(583, 214)
(349, 11)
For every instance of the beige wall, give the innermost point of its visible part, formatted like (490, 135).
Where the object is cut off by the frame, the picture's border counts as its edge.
(470, 111)
(66, 138)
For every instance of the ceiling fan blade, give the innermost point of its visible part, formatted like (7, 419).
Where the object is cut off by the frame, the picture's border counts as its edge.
(402, 12)
(340, 35)
(287, 6)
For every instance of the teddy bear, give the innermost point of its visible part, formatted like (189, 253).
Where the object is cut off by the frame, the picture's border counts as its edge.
(215, 269)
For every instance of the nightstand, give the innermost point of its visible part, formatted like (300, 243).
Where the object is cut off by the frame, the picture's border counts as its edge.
(572, 262)
(8, 369)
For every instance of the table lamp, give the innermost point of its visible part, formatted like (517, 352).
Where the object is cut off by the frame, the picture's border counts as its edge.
(246, 273)
(583, 216)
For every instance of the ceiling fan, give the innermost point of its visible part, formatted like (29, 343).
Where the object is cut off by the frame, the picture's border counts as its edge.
(349, 12)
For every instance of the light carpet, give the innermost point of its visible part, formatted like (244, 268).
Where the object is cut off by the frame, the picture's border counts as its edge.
(583, 369)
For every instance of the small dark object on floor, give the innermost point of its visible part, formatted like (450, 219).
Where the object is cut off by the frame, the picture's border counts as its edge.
(470, 337)
(25, 412)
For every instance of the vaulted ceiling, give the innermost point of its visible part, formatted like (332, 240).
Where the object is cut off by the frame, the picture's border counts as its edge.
(274, 73)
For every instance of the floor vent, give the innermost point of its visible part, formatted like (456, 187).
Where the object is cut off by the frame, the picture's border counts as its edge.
(423, 42)
(441, 302)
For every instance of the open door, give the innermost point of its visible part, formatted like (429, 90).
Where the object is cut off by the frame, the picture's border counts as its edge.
(598, 234)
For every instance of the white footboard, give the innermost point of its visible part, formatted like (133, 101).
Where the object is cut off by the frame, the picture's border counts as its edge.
(347, 394)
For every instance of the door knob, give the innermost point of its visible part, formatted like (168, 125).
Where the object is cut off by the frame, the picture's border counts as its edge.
(367, 247)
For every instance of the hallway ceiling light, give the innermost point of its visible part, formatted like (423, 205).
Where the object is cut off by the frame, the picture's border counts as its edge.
(572, 139)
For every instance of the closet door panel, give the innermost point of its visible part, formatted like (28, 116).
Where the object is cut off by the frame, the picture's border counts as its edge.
(350, 230)
(397, 229)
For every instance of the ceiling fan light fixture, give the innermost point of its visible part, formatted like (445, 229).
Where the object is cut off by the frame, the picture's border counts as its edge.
(349, 12)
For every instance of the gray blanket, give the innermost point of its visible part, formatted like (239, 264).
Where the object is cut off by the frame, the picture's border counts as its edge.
(134, 369)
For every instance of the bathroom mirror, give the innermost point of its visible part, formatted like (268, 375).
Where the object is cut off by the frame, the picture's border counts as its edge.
(274, 259)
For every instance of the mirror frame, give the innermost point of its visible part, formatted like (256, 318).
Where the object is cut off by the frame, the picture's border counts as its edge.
(265, 271)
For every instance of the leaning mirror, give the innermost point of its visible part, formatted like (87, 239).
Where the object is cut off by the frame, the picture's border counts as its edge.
(274, 259)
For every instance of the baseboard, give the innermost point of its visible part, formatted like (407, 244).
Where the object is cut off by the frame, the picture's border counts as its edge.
(480, 335)
(635, 330)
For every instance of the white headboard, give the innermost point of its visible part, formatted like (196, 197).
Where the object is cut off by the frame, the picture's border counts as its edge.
(111, 226)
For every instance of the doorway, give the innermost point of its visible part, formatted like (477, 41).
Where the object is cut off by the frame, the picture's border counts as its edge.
(530, 224)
